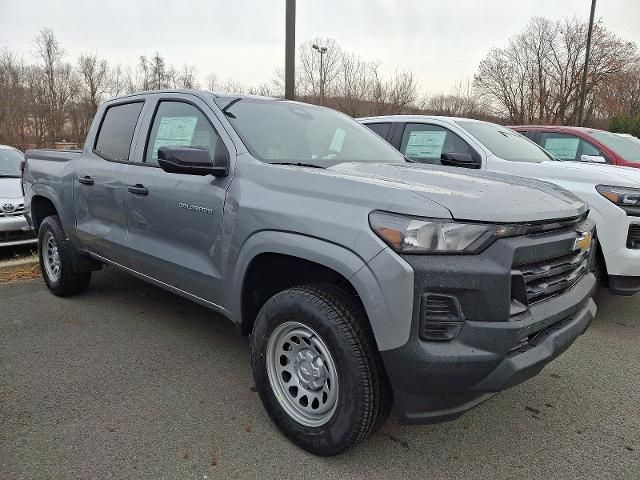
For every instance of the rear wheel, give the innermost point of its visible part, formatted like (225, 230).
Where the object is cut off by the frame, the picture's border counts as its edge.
(317, 369)
(56, 261)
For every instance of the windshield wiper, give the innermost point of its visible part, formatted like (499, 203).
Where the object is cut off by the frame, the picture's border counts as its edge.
(3, 175)
(297, 164)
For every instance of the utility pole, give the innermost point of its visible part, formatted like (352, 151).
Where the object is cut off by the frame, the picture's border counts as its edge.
(290, 51)
(321, 51)
(583, 92)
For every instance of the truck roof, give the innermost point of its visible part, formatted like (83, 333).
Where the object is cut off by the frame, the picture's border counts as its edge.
(198, 93)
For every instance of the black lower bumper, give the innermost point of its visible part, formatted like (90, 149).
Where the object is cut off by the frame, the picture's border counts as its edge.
(438, 381)
(623, 285)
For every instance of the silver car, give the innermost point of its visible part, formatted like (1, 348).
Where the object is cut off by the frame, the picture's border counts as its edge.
(14, 229)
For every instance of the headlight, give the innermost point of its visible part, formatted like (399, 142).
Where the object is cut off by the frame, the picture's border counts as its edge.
(406, 234)
(625, 197)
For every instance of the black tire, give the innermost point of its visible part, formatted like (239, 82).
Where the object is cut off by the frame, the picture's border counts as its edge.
(363, 398)
(68, 282)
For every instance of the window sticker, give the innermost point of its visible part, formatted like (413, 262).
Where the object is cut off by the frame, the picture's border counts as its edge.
(563, 148)
(174, 131)
(425, 144)
(338, 140)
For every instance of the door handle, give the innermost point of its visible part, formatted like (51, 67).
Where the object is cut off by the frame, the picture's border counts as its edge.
(86, 180)
(138, 189)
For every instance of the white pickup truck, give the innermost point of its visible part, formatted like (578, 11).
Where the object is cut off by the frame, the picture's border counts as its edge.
(612, 192)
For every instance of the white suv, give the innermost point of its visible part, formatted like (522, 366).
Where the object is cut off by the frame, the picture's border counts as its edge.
(613, 193)
(14, 229)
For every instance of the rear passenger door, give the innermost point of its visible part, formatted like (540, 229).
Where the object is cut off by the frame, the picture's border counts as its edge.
(100, 195)
(175, 220)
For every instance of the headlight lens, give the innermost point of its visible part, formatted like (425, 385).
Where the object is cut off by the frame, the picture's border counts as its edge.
(625, 197)
(406, 234)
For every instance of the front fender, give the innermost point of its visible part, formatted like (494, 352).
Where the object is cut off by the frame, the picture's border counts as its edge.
(385, 284)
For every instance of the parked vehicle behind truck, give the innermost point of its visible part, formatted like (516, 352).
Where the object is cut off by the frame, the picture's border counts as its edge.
(613, 193)
(582, 144)
(14, 229)
(363, 279)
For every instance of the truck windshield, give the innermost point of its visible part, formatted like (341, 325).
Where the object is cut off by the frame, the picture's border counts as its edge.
(623, 146)
(10, 162)
(278, 131)
(505, 143)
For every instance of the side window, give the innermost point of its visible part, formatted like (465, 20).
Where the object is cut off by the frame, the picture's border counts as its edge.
(426, 143)
(116, 132)
(567, 147)
(180, 124)
(381, 129)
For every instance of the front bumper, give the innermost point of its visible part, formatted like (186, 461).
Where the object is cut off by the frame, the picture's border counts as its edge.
(496, 346)
(15, 231)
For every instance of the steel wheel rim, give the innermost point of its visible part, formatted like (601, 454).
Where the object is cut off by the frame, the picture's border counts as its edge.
(302, 374)
(51, 257)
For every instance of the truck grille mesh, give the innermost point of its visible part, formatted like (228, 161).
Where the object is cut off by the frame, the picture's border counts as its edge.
(553, 276)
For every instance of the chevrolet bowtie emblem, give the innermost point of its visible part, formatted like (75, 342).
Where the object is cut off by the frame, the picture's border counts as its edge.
(583, 242)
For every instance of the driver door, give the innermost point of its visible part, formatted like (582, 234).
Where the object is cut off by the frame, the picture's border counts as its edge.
(175, 220)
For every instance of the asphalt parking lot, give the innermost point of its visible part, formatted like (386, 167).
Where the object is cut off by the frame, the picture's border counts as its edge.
(128, 381)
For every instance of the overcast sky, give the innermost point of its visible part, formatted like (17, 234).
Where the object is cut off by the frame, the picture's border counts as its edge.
(442, 41)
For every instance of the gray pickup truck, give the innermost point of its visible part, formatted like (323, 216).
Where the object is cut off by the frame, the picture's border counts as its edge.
(365, 281)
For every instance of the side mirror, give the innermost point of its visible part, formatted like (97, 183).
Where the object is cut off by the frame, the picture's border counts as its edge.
(191, 161)
(593, 159)
(464, 160)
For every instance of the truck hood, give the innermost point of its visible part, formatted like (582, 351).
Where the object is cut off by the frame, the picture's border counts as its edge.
(591, 172)
(10, 188)
(473, 195)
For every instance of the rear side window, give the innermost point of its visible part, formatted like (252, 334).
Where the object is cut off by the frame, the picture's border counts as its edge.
(116, 132)
(381, 129)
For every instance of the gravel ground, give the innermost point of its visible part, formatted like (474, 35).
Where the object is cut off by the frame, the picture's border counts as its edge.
(128, 381)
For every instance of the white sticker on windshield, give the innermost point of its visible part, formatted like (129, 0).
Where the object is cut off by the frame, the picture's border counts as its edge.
(174, 131)
(563, 148)
(338, 140)
(425, 144)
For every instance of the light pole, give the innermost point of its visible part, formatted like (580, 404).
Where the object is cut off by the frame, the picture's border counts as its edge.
(583, 92)
(289, 50)
(321, 51)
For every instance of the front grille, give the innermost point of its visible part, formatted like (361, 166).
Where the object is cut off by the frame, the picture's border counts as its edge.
(633, 239)
(553, 276)
(17, 211)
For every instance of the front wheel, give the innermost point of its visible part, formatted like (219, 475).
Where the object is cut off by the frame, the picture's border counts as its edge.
(317, 369)
(56, 262)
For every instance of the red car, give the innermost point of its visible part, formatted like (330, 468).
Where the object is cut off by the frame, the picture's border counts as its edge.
(584, 144)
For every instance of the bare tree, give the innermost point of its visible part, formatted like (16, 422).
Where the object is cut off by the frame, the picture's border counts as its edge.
(95, 79)
(536, 77)
(60, 85)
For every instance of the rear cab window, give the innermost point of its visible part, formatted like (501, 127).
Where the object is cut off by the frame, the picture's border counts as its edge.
(114, 138)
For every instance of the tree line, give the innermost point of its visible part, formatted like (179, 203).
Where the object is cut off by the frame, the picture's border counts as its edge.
(535, 78)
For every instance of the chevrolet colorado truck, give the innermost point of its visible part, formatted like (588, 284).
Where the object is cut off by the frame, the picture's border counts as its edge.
(365, 281)
(612, 192)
